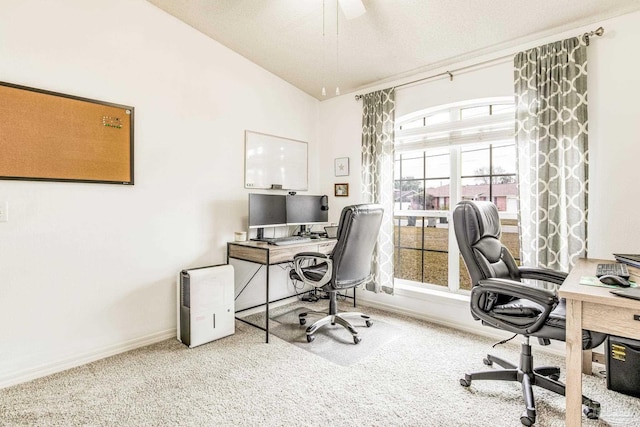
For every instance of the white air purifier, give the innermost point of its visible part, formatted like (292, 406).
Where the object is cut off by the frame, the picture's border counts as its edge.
(205, 304)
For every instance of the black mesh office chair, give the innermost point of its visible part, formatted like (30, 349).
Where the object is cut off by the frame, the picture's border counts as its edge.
(501, 300)
(348, 265)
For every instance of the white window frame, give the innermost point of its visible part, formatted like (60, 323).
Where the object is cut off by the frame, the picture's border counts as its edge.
(491, 129)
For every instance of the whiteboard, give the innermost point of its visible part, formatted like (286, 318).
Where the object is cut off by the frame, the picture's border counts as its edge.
(274, 162)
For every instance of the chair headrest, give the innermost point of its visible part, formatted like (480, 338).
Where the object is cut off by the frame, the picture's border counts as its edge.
(481, 220)
(355, 211)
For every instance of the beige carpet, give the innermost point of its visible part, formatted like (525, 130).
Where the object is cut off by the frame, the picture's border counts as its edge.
(241, 381)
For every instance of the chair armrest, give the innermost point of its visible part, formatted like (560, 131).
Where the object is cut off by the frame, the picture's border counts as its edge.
(543, 274)
(302, 257)
(547, 299)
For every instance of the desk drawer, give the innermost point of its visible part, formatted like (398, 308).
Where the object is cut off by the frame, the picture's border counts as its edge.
(248, 253)
(280, 254)
(611, 320)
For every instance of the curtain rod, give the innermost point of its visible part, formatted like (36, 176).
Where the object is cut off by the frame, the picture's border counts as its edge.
(597, 32)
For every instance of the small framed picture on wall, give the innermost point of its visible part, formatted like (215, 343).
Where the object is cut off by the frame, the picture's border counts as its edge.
(341, 190)
(342, 166)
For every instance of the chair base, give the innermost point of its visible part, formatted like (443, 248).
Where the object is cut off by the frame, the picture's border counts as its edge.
(528, 376)
(332, 318)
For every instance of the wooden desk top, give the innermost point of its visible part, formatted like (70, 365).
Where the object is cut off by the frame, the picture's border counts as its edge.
(572, 289)
(264, 253)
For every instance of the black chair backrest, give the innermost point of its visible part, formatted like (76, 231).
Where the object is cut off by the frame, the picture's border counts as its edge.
(357, 236)
(477, 227)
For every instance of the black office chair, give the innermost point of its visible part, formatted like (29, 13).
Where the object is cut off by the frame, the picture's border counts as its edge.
(348, 265)
(501, 300)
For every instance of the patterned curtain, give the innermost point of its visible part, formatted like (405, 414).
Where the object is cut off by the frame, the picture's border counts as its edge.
(378, 117)
(553, 156)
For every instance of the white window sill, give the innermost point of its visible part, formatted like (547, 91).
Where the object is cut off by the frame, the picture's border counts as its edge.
(423, 291)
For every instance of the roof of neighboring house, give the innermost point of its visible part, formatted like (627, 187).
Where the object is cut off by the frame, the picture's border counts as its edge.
(405, 196)
(468, 191)
(510, 189)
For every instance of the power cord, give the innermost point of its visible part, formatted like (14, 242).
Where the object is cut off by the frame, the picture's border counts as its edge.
(504, 341)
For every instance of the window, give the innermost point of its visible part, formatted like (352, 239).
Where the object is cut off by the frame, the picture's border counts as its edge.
(443, 155)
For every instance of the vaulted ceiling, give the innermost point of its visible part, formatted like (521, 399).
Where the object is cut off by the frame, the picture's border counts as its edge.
(391, 40)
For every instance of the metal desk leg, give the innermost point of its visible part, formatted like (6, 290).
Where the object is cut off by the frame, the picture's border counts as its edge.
(266, 319)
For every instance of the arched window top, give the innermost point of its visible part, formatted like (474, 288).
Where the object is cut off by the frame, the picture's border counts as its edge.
(471, 121)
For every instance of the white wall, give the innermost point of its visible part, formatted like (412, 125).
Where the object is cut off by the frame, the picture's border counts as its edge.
(614, 142)
(340, 136)
(87, 270)
(614, 139)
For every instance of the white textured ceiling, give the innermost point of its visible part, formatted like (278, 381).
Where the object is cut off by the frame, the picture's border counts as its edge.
(393, 39)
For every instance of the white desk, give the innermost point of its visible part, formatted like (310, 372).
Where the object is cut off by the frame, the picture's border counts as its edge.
(595, 309)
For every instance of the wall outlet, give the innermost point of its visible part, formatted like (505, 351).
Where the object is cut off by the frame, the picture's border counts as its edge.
(4, 211)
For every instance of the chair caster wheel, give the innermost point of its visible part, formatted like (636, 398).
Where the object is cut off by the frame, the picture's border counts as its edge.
(356, 340)
(369, 323)
(527, 420)
(310, 338)
(487, 362)
(465, 382)
(592, 412)
(303, 322)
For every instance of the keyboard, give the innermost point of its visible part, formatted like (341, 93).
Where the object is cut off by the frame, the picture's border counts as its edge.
(616, 269)
(291, 240)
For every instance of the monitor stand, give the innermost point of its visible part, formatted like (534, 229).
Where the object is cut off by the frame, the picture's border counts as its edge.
(303, 230)
(259, 234)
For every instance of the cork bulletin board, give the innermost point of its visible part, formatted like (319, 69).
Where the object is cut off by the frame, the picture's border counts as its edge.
(55, 137)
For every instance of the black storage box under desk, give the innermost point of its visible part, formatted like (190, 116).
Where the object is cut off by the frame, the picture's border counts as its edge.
(623, 365)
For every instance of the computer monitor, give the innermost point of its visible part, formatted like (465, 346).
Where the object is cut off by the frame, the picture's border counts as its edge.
(267, 210)
(306, 210)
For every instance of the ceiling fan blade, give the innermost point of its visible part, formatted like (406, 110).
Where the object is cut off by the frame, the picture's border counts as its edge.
(352, 8)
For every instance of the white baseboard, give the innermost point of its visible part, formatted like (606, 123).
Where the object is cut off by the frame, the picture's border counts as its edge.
(556, 350)
(490, 332)
(63, 364)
